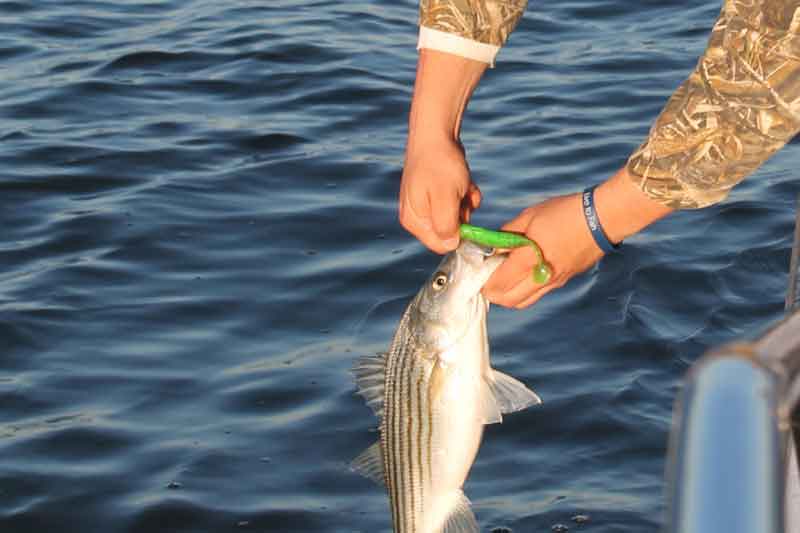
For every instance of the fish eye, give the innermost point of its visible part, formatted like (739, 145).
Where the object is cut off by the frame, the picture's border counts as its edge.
(439, 282)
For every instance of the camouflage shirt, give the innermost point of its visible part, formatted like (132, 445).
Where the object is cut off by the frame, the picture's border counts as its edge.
(739, 106)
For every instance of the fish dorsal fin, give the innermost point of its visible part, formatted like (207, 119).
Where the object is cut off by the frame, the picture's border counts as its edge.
(460, 519)
(504, 394)
(369, 464)
(369, 372)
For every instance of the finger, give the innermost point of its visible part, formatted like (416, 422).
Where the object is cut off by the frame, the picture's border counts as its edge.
(521, 222)
(526, 293)
(420, 227)
(510, 273)
(466, 213)
(535, 297)
(520, 292)
(474, 195)
(470, 202)
(445, 212)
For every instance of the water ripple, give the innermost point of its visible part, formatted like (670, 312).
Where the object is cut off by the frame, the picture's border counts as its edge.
(200, 237)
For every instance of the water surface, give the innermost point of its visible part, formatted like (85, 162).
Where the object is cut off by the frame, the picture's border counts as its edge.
(199, 238)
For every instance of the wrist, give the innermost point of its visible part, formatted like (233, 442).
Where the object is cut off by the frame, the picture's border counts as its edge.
(593, 222)
(430, 139)
(623, 209)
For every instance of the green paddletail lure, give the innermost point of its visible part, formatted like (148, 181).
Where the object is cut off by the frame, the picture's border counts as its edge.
(505, 239)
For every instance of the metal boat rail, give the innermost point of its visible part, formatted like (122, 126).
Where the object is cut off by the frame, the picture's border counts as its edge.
(733, 465)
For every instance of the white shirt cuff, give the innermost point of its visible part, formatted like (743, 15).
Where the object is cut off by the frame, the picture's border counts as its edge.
(454, 44)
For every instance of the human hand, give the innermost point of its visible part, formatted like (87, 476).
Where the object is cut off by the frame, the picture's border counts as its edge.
(558, 226)
(436, 193)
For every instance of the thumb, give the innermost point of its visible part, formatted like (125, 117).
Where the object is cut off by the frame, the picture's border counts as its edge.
(521, 222)
(444, 214)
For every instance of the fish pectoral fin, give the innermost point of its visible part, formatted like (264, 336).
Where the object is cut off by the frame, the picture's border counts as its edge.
(460, 519)
(509, 393)
(369, 372)
(489, 409)
(369, 464)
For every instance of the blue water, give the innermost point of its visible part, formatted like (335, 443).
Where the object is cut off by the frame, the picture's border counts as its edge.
(199, 237)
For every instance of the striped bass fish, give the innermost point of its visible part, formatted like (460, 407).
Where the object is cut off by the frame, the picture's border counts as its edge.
(433, 391)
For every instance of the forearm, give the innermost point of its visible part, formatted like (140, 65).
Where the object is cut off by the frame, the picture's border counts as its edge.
(739, 106)
(458, 40)
(442, 90)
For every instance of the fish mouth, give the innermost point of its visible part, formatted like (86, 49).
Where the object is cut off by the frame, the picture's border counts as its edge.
(469, 248)
(491, 259)
(478, 263)
(487, 251)
(480, 259)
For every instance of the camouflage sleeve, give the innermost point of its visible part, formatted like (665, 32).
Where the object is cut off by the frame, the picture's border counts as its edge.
(476, 29)
(739, 106)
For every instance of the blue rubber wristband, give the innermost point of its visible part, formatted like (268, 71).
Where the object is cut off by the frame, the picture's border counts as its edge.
(593, 221)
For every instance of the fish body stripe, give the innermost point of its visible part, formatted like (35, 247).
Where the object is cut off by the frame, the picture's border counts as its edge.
(407, 434)
(409, 448)
(389, 435)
